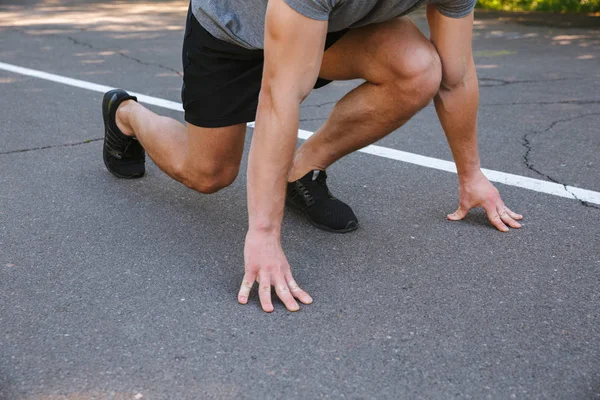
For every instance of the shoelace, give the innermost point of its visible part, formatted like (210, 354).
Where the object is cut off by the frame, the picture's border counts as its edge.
(308, 190)
(115, 148)
(305, 193)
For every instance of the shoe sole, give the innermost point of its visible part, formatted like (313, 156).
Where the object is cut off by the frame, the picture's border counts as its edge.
(352, 226)
(105, 101)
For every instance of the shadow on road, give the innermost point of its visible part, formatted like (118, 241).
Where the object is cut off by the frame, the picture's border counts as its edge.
(132, 19)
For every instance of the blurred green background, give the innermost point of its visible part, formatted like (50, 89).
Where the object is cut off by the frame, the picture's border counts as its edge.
(577, 6)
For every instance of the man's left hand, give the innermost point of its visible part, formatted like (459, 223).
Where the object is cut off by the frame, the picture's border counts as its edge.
(477, 191)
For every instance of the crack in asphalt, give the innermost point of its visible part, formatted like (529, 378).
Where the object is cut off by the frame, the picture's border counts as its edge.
(504, 82)
(312, 119)
(92, 47)
(526, 142)
(124, 55)
(52, 146)
(319, 105)
(518, 103)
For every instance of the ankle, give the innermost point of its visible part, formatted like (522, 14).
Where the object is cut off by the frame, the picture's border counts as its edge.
(122, 117)
(298, 171)
(304, 162)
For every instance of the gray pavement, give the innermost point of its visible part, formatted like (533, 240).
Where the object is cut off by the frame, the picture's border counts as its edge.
(114, 289)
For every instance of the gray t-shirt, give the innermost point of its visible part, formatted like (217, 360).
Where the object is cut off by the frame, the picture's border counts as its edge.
(242, 22)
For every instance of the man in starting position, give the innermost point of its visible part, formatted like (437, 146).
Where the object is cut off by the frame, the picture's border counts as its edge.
(257, 60)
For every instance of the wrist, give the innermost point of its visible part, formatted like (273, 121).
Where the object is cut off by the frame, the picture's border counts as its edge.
(264, 228)
(469, 175)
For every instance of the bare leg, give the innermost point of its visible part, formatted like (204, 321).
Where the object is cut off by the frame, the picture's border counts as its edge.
(204, 159)
(402, 72)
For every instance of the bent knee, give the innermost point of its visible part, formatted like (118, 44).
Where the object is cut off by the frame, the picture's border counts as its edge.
(209, 183)
(407, 58)
(208, 179)
(419, 65)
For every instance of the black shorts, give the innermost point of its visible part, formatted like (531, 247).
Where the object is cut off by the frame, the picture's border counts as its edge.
(221, 81)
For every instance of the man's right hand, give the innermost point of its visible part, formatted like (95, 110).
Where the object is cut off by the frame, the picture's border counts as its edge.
(266, 264)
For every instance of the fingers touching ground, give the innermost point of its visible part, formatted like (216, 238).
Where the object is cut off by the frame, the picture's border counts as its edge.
(458, 214)
(495, 219)
(246, 287)
(284, 294)
(512, 214)
(286, 288)
(477, 191)
(264, 291)
(508, 219)
(507, 216)
(502, 217)
(499, 215)
(296, 291)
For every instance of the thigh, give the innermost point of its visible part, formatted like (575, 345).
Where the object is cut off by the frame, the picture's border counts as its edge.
(221, 81)
(214, 150)
(371, 52)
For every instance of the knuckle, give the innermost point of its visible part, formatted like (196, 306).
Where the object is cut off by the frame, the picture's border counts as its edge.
(282, 289)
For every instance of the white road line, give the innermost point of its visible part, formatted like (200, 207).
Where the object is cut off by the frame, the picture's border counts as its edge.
(171, 105)
(537, 185)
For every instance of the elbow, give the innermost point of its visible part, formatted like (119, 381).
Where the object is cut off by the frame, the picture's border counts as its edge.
(276, 89)
(265, 96)
(458, 74)
(280, 97)
(279, 100)
(453, 78)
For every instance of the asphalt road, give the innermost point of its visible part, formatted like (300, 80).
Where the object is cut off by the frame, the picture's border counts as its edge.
(113, 289)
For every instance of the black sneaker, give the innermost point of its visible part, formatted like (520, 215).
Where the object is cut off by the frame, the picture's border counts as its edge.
(123, 155)
(310, 195)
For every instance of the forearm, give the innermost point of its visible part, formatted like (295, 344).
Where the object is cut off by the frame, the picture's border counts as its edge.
(271, 153)
(456, 107)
